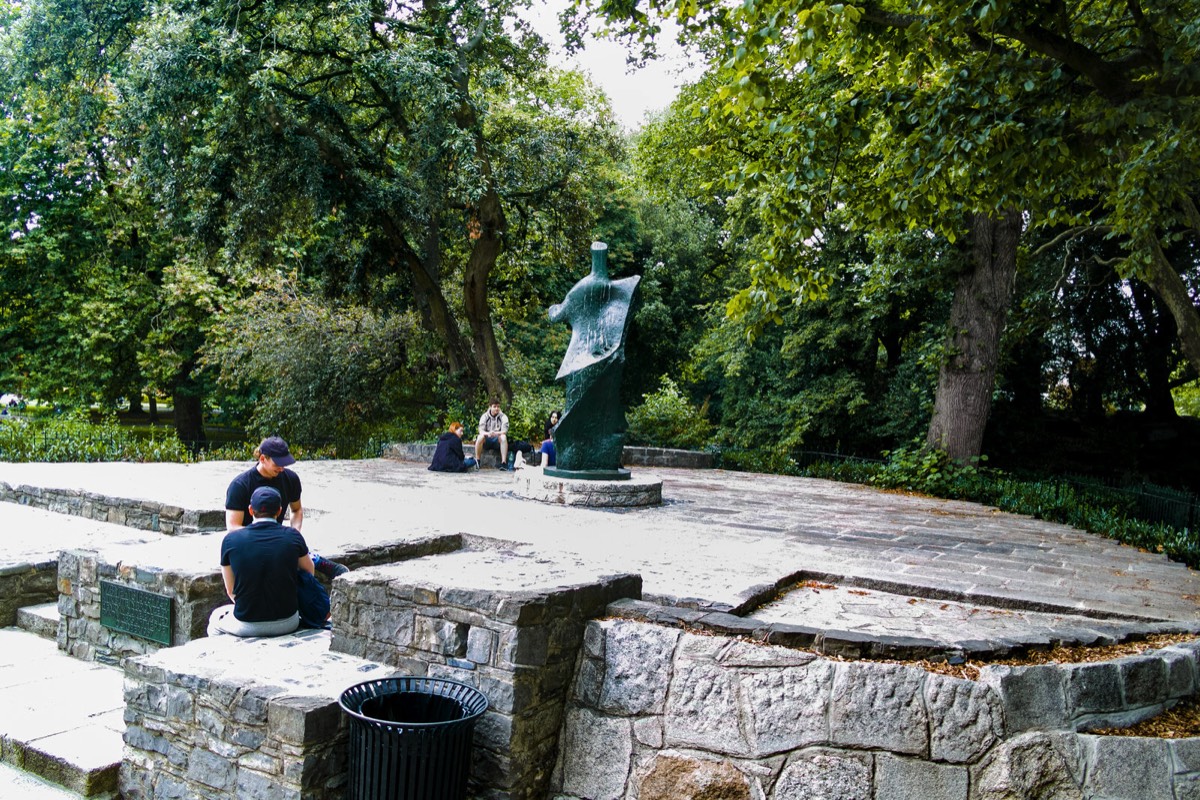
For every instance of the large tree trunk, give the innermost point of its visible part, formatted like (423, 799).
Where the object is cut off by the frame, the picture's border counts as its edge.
(436, 314)
(977, 316)
(486, 249)
(189, 412)
(486, 229)
(1157, 346)
(1164, 279)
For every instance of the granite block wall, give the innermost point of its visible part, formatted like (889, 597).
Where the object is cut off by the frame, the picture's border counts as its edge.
(146, 515)
(193, 596)
(253, 719)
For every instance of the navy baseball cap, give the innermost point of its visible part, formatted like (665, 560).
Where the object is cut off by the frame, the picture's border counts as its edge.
(277, 450)
(266, 502)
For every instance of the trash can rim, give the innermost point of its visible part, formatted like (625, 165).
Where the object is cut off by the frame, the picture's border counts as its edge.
(445, 681)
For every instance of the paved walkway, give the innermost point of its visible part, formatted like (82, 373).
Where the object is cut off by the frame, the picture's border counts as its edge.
(786, 550)
(725, 540)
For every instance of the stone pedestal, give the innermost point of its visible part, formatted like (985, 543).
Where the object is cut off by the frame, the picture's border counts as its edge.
(639, 490)
(509, 625)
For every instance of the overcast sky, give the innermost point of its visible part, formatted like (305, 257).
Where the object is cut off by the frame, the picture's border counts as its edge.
(632, 93)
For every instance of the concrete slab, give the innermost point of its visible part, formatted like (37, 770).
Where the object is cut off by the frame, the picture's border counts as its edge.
(63, 718)
(40, 620)
(17, 784)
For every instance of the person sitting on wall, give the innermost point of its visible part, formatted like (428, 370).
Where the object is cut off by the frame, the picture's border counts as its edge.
(273, 459)
(448, 455)
(262, 564)
(551, 423)
(493, 433)
(549, 455)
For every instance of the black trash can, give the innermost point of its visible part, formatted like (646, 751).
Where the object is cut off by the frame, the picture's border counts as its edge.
(410, 738)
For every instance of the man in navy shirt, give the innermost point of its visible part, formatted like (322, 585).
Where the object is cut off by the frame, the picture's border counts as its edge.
(260, 564)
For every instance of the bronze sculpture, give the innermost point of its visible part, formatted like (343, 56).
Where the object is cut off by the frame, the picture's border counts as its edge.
(590, 436)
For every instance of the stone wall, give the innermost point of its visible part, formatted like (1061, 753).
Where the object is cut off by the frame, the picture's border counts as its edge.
(145, 515)
(666, 457)
(25, 585)
(660, 713)
(194, 594)
(253, 719)
(183, 569)
(630, 456)
(517, 646)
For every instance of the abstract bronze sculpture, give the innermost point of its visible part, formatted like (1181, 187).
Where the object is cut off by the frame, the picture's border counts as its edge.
(590, 436)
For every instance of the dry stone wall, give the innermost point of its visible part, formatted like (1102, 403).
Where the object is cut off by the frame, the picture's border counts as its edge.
(194, 594)
(517, 647)
(253, 719)
(24, 585)
(145, 515)
(658, 712)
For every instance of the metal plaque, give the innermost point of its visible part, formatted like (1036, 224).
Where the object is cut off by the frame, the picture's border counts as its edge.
(136, 611)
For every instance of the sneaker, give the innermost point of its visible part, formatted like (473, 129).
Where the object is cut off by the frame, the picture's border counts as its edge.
(330, 569)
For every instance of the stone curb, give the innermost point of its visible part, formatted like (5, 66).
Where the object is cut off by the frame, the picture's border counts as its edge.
(147, 515)
(853, 645)
(630, 456)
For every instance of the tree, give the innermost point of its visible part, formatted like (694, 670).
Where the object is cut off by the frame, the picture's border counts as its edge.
(969, 119)
(353, 139)
(85, 258)
(317, 371)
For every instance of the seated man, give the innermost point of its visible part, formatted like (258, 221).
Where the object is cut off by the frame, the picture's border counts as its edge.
(493, 433)
(262, 565)
(273, 459)
(448, 455)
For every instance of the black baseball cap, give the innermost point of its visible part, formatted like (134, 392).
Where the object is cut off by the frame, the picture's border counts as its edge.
(266, 502)
(277, 450)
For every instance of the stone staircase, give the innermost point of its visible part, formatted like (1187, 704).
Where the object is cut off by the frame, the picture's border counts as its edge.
(63, 718)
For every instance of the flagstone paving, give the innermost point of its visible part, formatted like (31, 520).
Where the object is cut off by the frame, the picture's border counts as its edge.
(721, 539)
(779, 549)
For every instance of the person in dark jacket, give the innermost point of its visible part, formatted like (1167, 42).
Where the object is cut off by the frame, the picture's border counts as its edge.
(448, 456)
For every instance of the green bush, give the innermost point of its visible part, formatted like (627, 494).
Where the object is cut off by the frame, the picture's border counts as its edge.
(666, 418)
(74, 437)
(920, 469)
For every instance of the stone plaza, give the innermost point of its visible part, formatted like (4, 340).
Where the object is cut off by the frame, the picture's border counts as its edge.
(753, 636)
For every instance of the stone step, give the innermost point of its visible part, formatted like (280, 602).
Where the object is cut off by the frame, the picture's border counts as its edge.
(41, 620)
(16, 784)
(63, 719)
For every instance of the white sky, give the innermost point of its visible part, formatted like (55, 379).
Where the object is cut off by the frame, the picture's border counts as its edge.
(632, 94)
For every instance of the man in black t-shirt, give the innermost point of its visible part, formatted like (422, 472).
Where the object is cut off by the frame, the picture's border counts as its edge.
(274, 458)
(259, 564)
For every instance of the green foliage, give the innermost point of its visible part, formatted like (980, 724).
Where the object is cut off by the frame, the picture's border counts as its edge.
(75, 437)
(927, 471)
(667, 418)
(1187, 399)
(317, 370)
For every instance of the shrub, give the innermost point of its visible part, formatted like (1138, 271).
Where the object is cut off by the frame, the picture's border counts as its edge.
(74, 437)
(666, 418)
(921, 469)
